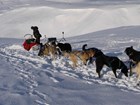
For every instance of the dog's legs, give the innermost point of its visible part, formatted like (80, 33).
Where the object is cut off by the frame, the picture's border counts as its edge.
(85, 61)
(98, 70)
(99, 66)
(138, 75)
(137, 81)
(137, 70)
(130, 68)
(90, 60)
(114, 71)
(74, 60)
(74, 64)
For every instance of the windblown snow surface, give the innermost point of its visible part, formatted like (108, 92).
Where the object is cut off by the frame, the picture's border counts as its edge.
(27, 79)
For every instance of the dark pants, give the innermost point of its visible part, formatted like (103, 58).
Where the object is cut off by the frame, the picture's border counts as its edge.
(41, 46)
(38, 40)
(40, 53)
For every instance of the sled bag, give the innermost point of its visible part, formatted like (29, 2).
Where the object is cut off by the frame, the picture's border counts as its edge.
(28, 44)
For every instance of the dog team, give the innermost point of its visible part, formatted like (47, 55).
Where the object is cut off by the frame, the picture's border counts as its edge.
(55, 48)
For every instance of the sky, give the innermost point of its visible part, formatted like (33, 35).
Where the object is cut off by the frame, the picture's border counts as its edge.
(27, 79)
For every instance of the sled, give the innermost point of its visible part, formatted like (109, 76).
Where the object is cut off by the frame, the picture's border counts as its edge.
(29, 42)
(52, 39)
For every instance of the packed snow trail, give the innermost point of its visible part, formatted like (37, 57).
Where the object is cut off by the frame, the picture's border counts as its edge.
(44, 80)
(24, 62)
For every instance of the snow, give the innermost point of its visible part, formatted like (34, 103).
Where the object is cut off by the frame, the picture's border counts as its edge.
(27, 79)
(73, 21)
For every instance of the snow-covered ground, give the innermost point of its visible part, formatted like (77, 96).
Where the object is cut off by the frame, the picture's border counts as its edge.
(27, 79)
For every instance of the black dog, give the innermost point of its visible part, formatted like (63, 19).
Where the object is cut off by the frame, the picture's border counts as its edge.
(133, 54)
(134, 57)
(64, 47)
(113, 62)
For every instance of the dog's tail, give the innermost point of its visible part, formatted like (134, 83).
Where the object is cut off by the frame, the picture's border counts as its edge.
(83, 48)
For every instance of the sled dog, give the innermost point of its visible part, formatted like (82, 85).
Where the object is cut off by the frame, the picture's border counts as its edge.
(76, 55)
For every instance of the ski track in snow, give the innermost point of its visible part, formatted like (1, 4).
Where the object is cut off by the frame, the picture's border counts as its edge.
(23, 61)
(20, 62)
(20, 58)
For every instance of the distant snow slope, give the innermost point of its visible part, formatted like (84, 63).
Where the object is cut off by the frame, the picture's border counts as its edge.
(16, 20)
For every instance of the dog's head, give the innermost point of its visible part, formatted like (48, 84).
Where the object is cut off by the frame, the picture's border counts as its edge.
(90, 52)
(129, 50)
(34, 27)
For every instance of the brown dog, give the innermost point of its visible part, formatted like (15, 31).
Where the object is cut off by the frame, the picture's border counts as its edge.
(84, 56)
(49, 50)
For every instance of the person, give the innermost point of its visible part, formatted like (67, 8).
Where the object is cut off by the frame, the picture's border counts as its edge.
(36, 34)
